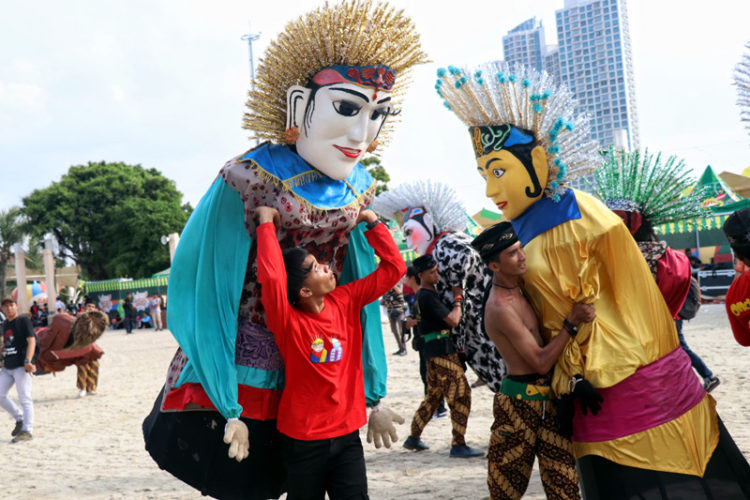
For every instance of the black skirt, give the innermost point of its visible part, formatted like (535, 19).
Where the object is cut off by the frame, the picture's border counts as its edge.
(190, 446)
(727, 477)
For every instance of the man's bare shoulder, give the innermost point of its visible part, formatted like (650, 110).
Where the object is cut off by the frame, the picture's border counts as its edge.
(500, 310)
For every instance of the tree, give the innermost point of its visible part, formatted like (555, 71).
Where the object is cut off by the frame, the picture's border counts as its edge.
(372, 164)
(12, 231)
(109, 217)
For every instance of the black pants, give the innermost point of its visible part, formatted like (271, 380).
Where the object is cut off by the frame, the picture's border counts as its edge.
(335, 465)
(129, 322)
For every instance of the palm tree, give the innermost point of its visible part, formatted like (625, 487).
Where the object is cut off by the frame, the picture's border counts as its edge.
(12, 231)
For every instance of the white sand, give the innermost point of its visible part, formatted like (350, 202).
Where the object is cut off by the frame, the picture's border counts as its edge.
(93, 447)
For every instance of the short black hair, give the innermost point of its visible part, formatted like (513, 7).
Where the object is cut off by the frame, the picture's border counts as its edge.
(296, 274)
(8, 301)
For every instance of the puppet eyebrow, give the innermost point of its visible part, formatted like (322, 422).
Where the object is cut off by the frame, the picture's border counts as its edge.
(387, 99)
(487, 166)
(352, 92)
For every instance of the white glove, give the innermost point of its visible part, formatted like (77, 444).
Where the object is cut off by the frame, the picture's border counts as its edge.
(237, 437)
(380, 426)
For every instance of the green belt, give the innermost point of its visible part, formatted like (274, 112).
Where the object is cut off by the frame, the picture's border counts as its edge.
(528, 392)
(436, 335)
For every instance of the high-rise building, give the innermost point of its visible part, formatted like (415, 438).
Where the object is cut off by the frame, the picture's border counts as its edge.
(593, 58)
(524, 44)
(596, 63)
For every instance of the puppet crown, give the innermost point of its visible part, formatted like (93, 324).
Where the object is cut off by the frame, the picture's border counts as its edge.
(491, 97)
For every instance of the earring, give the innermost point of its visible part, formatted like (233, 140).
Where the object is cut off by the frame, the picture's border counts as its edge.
(373, 146)
(291, 135)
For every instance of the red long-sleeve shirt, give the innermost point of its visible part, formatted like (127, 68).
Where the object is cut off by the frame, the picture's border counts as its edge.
(324, 390)
(737, 302)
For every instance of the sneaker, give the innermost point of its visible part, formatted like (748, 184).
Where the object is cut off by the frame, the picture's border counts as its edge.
(81, 393)
(415, 444)
(464, 451)
(91, 393)
(400, 352)
(440, 413)
(17, 429)
(22, 436)
(711, 383)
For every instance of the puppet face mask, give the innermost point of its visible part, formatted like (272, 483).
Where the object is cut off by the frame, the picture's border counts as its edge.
(514, 168)
(336, 121)
(418, 228)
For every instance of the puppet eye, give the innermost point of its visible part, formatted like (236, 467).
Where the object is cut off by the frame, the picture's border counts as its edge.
(380, 113)
(346, 108)
(497, 172)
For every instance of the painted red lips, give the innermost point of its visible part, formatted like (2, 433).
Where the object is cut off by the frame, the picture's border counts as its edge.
(349, 152)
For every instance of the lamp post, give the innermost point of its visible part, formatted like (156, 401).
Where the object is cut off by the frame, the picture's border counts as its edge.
(172, 239)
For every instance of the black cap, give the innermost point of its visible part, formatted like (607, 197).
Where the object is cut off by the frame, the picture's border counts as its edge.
(423, 263)
(494, 240)
(737, 229)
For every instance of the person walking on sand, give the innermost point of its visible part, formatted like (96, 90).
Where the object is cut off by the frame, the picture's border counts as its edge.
(19, 354)
(445, 372)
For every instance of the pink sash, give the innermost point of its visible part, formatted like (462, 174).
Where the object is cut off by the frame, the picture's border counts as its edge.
(655, 394)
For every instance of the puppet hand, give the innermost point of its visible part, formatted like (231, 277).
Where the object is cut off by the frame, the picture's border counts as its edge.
(237, 437)
(587, 395)
(380, 427)
(367, 216)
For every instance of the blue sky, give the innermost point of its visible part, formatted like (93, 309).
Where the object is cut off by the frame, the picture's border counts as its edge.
(163, 84)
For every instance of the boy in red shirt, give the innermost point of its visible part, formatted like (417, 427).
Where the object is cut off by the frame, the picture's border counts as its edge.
(317, 328)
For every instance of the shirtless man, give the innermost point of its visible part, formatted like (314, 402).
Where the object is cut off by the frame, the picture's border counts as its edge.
(525, 425)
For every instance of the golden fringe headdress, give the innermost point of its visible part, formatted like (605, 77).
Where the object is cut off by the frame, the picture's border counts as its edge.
(354, 33)
(496, 94)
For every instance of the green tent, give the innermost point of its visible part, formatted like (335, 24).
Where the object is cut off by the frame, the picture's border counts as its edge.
(705, 231)
(716, 191)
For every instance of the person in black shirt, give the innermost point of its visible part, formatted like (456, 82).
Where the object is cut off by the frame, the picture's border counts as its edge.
(20, 350)
(445, 372)
(129, 309)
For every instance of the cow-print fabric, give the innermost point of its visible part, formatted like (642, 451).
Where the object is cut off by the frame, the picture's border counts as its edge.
(460, 265)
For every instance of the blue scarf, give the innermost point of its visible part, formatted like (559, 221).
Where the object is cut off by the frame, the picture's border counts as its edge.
(545, 214)
(305, 181)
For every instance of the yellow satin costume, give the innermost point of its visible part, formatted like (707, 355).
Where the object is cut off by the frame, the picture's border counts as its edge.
(594, 259)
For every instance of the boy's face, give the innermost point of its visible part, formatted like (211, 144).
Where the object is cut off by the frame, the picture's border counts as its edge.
(10, 309)
(321, 280)
(430, 276)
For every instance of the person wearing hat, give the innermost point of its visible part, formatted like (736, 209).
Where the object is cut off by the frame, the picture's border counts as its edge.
(445, 372)
(525, 423)
(737, 230)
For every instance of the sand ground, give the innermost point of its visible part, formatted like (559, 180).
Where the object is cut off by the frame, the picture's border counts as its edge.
(92, 447)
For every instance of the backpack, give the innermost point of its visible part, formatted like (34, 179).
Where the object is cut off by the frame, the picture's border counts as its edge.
(692, 302)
